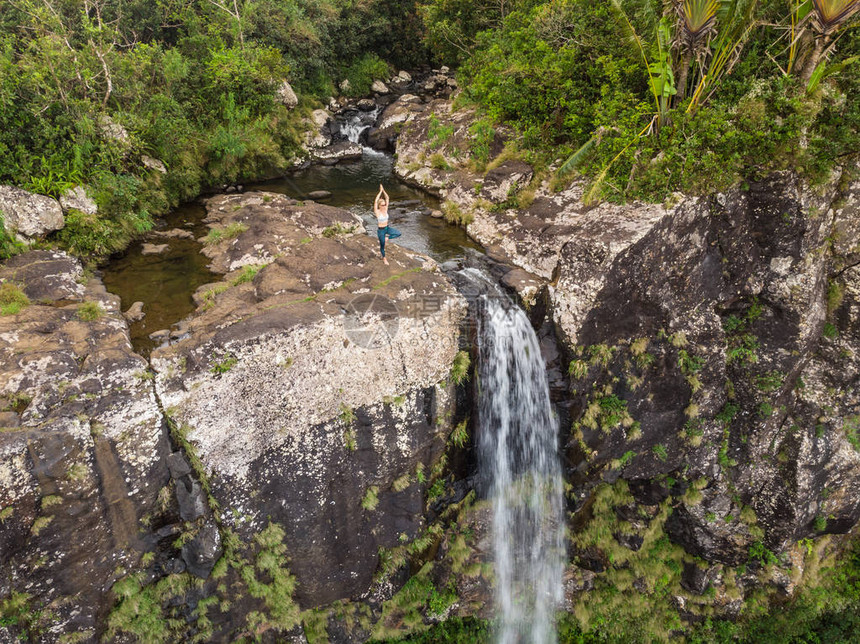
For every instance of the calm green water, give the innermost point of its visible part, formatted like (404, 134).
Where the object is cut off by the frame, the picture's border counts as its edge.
(166, 282)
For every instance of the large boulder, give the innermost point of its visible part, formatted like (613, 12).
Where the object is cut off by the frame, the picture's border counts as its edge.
(315, 392)
(383, 135)
(317, 134)
(341, 151)
(28, 214)
(287, 96)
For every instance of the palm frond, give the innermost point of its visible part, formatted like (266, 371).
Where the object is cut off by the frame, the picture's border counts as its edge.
(830, 14)
(631, 32)
(577, 157)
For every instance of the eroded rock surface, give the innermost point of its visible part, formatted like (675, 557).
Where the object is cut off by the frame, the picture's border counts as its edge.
(303, 406)
(82, 463)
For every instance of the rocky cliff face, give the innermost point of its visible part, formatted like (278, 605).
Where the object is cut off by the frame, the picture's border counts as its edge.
(82, 447)
(310, 389)
(711, 344)
(296, 417)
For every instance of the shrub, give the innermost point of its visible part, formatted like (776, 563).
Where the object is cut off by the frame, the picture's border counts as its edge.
(460, 367)
(363, 72)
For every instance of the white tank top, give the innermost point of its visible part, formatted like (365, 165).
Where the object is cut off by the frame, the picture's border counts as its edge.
(382, 219)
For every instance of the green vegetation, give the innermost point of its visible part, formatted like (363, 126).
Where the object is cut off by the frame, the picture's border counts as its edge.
(647, 101)
(223, 365)
(460, 434)
(90, 311)
(337, 229)
(12, 299)
(460, 368)
(86, 91)
(230, 231)
(371, 498)
(247, 274)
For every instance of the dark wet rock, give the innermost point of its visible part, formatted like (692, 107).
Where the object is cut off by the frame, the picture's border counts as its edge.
(178, 465)
(697, 579)
(201, 553)
(366, 105)
(630, 541)
(192, 502)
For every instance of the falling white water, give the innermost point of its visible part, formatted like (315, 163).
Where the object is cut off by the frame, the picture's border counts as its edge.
(355, 123)
(518, 454)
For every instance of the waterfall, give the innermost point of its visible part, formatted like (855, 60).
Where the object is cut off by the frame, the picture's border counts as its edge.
(353, 123)
(518, 457)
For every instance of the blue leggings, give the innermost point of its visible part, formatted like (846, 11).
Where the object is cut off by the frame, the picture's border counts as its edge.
(382, 233)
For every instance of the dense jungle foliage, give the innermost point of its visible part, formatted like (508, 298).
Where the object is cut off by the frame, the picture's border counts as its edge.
(657, 97)
(194, 83)
(646, 97)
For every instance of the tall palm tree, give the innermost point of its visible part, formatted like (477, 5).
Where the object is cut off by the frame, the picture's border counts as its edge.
(826, 17)
(696, 25)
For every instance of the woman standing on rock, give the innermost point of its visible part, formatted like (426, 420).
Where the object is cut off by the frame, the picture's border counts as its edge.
(380, 209)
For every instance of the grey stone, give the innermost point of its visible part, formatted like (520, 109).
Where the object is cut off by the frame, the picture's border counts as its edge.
(152, 249)
(366, 105)
(404, 76)
(78, 199)
(178, 465)
(173, 233)
(135, 312)
(286, 96)
(153, 164)
(9, 419)
(192, 501)
(110, 129)
(319, 194)
(28, 214)
(341, 151)
(203, 551)
(46, 276)
(161, 334)
(379, 87)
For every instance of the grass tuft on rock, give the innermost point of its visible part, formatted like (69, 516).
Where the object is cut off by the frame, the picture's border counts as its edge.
(12, 299)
